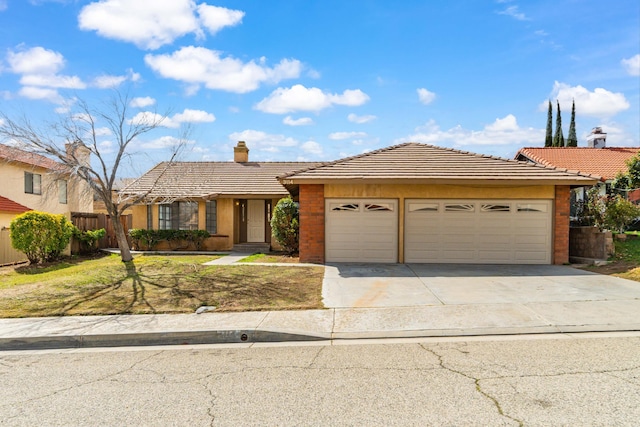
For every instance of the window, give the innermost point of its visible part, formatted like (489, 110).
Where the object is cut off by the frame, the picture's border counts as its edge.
(378, 207)
(212, 214)
(345, 207)
(532, 207)
(459, 207)
(32, 183)
(423, 207)
(164, 217)
(491, 207)
(62, 191)
(149, 217)
(178, 216)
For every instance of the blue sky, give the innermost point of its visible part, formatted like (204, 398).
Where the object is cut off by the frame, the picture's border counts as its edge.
(320, 80)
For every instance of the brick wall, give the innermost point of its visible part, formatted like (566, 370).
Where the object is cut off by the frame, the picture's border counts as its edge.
(312, 223)
(561, 224)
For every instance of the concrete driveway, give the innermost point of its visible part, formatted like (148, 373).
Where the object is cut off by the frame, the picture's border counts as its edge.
(410, 285)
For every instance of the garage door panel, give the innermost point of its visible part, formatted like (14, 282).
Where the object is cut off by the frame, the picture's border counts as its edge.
(361, 230)
(484, 231)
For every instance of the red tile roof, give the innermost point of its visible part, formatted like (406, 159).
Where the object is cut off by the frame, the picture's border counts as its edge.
(13, 154)
(605, 162)
(8, 205)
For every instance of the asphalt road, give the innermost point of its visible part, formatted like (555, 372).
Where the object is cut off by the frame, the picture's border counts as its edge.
(558, 380)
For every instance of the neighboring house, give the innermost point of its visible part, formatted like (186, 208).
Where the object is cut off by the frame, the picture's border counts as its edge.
(36, 182)
(597, 159)
(231, 200)
(9, 209)
(119, 184)
(417, 203)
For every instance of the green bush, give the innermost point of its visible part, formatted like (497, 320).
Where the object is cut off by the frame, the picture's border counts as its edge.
(149, 239)
(41, 236)
(88, 238)
(285, 225)
(612, 212)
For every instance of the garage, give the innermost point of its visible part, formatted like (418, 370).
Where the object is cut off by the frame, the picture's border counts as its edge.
(478, 231)
(361, 230)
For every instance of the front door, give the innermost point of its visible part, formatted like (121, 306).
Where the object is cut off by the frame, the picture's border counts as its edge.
(255, 221)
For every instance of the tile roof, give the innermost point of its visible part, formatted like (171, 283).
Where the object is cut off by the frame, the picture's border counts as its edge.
(8, 205)
(196, 180)
(421, 163)
(606, 162)
(13, 154)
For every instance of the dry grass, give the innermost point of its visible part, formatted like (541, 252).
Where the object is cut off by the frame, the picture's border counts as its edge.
(274, 257)
(155, 284)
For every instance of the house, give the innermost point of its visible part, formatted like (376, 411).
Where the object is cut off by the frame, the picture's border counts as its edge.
(118, 184)
(595, 159)
(233, 201)
(30, 181)
(417, 203)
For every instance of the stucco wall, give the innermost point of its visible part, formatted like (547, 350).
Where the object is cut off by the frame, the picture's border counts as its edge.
(399, 191)
(12, 178)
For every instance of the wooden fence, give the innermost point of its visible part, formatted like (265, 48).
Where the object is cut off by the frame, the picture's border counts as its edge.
(8, 255)
(95, 221)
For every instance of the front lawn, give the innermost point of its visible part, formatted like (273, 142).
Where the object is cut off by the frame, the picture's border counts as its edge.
(625, 263)
(154, 284)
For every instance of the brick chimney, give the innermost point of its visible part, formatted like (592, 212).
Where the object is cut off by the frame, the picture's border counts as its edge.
(241, 153)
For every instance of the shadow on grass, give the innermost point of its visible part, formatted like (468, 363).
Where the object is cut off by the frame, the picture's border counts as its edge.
(66, 262)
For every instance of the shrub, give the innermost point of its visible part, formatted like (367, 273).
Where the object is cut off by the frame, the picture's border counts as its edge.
(88, 238)
(612, 212)
(150, 238)
(41, 236)
(285, 224)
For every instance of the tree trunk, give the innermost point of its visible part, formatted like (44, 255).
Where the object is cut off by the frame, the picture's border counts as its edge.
(123, 244)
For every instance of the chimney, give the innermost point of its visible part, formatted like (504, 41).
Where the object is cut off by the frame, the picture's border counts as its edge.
(597, 138)
(80, 151)
(241, 153)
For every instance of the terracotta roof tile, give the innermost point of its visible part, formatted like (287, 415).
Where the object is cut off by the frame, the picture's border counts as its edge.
(13, 154)
(196, 180)
(605, 162)
(8, 205)
(422, 162)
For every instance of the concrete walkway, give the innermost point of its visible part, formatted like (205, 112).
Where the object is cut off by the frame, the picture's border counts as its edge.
(386, 302)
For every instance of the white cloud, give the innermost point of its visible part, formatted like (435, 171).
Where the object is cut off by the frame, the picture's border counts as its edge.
(312, 147)
(425, 96)
(302, 121)
(148, 118)
(202, 66)
(346, 135)
(36, 60)
(300, 98)
(509, 123)
(107, 81)
(632, 65)
(103, 131)
(514, 13)
(215, 18)
(165, 142)
(193, 116)
(39, 68)
(41, 93)
(597, 103)
(354, 118)
(187, 116)
(501, 132)
(263, 141)
(150, 24)
(142, 102)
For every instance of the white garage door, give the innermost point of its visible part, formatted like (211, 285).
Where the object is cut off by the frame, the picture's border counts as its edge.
(478, 231)
(361, 230)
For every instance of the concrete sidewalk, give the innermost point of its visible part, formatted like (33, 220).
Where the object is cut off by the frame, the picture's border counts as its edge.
(310, 325)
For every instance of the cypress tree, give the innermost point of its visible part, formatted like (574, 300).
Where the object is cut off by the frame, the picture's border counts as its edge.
(548, 139)
(558, 137)
(572, 138)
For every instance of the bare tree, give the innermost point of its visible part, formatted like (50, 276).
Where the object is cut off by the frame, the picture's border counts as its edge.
(73, 139)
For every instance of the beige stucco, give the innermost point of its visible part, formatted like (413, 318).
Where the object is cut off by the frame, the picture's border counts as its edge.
(12, 178)
(402, 191)
(438, 191)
